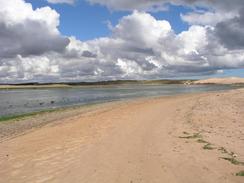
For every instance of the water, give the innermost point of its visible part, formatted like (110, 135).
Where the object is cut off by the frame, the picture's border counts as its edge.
(20, 101)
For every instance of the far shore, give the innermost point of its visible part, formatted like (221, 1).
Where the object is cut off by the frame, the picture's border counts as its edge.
(115, 83)
(91, 84)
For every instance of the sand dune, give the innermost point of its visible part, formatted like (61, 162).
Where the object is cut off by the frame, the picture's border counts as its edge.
(230, 80)
(181, 139)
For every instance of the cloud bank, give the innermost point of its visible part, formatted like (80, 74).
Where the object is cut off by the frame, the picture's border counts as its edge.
(150, 4)
(140, 46)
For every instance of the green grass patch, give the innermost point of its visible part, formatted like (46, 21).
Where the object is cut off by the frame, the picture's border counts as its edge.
(208, 146)
(241, 173)
(233, 161)
(31, 114)
(22, 116)
(194, 136)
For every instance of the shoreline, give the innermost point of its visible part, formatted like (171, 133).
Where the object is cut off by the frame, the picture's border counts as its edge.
(15, 125)
(9, 117)
(184, 138)
(11, 111)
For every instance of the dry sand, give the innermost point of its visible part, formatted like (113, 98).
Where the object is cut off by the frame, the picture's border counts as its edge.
(230, 80)
(141, 141)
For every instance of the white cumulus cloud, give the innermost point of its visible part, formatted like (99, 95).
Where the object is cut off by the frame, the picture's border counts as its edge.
(140, 46)
(61, 1)
(29, 32)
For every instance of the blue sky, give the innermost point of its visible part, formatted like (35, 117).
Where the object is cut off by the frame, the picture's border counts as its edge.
(231, 72)
(86, 21)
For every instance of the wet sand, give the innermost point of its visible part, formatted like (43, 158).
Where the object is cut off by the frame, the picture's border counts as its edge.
(179, 139)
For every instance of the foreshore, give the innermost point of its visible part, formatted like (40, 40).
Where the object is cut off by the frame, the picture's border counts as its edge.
(178, 139)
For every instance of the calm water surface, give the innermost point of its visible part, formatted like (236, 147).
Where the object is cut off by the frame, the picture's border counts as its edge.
(19, 101)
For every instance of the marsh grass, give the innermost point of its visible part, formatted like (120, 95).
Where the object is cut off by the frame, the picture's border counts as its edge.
(18, 117)
(23, 116)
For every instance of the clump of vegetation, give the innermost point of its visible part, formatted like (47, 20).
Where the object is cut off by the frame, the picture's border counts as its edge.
(202, 141)
(241, 173)
(233, 161)
(232, 154)
(208, 146)
(223, 150)
(194, 136)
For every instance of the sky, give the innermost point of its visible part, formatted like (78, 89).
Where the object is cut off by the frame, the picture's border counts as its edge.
(93, 40)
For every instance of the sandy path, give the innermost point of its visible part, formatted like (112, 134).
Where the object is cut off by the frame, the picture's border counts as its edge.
(135, 142)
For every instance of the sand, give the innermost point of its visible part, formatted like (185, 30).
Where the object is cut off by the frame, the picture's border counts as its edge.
(228, 80)
(141, 141)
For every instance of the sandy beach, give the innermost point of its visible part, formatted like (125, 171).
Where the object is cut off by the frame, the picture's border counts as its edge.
(225, 81)
(195, 138)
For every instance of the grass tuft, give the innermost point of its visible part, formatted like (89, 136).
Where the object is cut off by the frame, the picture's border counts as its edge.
(202, 141)
(194, 136)
(241, 173)
(208, 146)
(233, 161)
(223, 150)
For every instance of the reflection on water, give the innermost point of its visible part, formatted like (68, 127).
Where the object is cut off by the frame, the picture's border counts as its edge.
(21, 101)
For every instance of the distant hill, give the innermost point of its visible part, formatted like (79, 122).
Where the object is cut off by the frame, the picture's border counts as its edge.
(99, 83)
(122, 82)
(229, 80)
